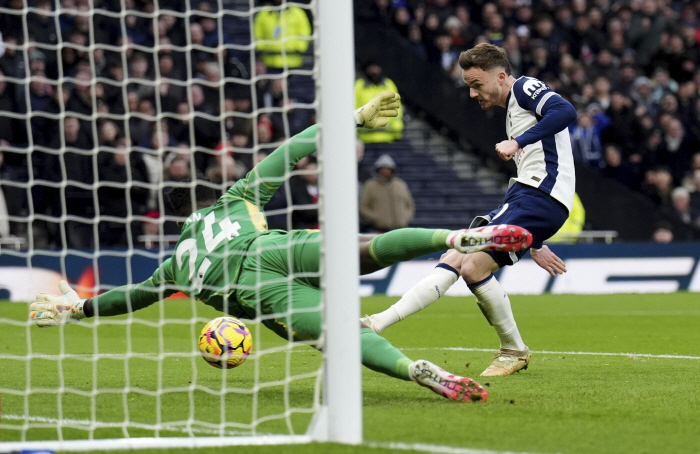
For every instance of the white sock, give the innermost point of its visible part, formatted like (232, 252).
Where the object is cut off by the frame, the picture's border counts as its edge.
(495, 305)
(423, 294)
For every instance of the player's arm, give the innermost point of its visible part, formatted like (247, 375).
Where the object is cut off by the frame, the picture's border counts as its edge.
(267, 176)
(53, 310)
(555, 112)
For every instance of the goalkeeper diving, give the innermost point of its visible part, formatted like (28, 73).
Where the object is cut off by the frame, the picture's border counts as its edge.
(228, 259)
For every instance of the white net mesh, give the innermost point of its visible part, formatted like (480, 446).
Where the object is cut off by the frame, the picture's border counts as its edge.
(106, 106)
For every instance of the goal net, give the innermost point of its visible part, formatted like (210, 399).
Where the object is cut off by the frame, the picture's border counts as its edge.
(106, 106)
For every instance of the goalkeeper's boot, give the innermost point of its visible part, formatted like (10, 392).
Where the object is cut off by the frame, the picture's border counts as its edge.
(446, 384)
(506, 362)
(368, 322)
(503, 237)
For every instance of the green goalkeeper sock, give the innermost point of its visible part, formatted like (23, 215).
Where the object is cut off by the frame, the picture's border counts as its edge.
(406, 244)
(380, 356)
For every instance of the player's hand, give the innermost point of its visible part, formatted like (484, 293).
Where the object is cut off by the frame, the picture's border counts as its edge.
(548, 261)
(507, 149)
(376, 113)
(53, 310)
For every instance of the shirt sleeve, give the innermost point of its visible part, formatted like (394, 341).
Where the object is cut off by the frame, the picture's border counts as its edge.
(265, 178)
(555, 113)
(130, 298)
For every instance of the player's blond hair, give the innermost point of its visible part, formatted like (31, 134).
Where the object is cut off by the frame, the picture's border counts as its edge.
(485, 56)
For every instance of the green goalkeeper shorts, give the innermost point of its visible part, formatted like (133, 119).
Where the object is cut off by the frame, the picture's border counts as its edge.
(279, 282)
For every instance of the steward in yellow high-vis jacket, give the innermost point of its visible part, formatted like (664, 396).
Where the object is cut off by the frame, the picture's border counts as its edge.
(373, 83)
(282, 36)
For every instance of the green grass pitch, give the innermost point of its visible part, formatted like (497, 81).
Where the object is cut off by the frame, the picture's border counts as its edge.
(572, 399)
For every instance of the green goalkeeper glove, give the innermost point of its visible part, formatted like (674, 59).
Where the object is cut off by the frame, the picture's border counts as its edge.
(53, 310)
(375, 113)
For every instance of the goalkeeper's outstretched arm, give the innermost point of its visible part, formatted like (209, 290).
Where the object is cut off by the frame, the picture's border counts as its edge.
(266, 177)
(53, 310)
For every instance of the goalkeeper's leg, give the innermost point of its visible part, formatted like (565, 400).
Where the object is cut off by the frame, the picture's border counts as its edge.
(303, 323)
(405, 244)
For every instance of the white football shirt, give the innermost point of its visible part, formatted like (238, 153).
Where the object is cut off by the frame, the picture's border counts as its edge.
(547, 164)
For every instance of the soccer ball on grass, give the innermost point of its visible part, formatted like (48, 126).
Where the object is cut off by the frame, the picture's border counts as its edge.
(225, 342)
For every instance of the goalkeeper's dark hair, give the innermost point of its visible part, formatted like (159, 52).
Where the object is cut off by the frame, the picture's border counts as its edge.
(180, 197)
(485, 56)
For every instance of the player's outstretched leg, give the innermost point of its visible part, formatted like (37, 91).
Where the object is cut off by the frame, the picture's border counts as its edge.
(379, 355)
(503, 238)
(446, 384)
(406, 244)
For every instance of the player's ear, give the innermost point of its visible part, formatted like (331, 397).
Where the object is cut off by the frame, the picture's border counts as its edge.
(501, 77)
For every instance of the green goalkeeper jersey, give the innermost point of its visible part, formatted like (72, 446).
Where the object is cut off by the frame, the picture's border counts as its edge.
(215, 240)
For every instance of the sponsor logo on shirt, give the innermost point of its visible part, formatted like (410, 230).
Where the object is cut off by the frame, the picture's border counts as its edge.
(533, 88)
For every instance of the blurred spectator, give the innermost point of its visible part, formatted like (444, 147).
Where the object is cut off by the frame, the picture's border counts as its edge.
(303, 190)
(663, 84)
(642, 94)
(372, 83)
(539, 62)
(658, 184)
(468, 29)
(677, 148)
(645, 30)
(178, 172)
(663, 233)
(415, 39)
(363, 172)
(447, 56)
(584, 41)
(285, 33)
(680, 200)
(601, 87)
(223, 171)
(79, 168)
(617, 169)
(122, 168)
(108, 134)
(41, 28)
(207, 132)
(150, 226)
(441, 8)
(386, 202)
(401, 20)
(624, 127)
(695, 194)
(605, 65)
(495, 31)
(4, 213)
(223, 168)
(585, 136)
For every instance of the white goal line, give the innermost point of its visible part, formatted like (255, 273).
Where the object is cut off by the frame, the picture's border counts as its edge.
(438, 449)
(264, 439)
(122, 356)
(550, 352)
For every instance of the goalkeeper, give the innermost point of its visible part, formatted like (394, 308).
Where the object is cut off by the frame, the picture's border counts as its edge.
(228, 259)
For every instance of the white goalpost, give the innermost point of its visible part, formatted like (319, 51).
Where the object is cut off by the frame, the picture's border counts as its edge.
(138, 381)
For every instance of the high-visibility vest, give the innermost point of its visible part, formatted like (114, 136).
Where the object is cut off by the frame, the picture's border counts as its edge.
(364, 92)
(281, 37)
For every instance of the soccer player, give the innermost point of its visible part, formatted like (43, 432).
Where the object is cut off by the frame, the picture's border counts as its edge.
(228, 259)
(539, 199)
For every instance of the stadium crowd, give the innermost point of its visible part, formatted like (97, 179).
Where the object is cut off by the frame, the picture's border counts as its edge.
(629, 67)
(158, 113)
